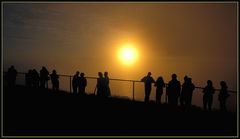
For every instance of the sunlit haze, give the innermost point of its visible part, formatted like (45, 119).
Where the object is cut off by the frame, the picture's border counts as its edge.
(125, 39)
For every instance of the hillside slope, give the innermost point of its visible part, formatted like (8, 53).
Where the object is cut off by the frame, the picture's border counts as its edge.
(29, 111)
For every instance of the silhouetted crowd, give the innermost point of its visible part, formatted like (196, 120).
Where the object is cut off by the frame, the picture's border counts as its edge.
(79, 83)
(35, 79)
(174, 90)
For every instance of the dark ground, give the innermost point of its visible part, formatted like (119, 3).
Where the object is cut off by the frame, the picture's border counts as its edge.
(39, 112)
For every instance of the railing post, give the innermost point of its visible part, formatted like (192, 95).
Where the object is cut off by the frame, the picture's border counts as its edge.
(133, 89)
(70, 84)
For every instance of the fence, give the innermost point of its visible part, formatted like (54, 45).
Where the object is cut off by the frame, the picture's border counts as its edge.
(131, 83)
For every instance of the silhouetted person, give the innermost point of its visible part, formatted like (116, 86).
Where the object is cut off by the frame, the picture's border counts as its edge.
(11, 76)
(82, 84)
(44, 77)
(55, 82)
(189, 91)
(223, 95)
(75, 82)
(107, 91)
(173, 91)
(28, 78)
(148, 80)
(35, 78)
(186, 93)
(100, 84)
(183, 95)
(208, 96)
(159, 90)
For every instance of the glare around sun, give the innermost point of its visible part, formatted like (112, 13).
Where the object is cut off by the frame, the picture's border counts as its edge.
(128, 54)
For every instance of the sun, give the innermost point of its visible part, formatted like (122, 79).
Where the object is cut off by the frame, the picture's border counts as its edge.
(128, 54)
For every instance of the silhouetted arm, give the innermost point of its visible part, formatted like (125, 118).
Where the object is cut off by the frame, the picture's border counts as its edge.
(152, 80)
(16, 73)
(204, 90)
(85, 82)
(179, 89)
(156, 84)
(193, 87)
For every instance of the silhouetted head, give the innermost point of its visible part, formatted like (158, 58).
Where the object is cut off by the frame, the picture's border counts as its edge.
(100, 74)
(12, 67)
(149, 74)
(160, 78)
(106, 74)
(185, 78)
(30, 72)
(223, 84)
(54, 72)
(190, 80)
(209, 83)
(77, 73)
(34, 70)
(174, 76)
(82, 74)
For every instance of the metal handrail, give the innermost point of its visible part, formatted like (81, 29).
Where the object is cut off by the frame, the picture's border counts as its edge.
(114, 79)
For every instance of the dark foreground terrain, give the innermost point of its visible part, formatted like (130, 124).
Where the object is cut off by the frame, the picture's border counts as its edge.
(37, 112)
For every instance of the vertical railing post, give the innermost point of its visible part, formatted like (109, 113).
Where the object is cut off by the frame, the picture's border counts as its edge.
(70, 84)
(133, 90)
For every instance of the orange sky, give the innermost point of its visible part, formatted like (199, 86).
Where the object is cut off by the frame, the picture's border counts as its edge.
(194, 39)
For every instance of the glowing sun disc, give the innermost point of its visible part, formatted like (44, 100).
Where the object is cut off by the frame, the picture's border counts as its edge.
(128, 54)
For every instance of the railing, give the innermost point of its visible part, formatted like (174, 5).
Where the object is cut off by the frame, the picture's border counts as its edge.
(70, 81)
(132, 81)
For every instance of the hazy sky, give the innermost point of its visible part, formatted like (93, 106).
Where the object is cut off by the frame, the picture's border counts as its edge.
(194, 39)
